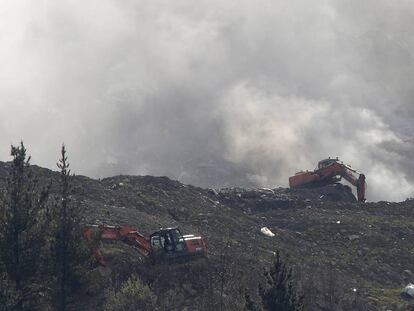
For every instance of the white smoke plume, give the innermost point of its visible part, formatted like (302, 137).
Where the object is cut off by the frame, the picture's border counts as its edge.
(215, 93)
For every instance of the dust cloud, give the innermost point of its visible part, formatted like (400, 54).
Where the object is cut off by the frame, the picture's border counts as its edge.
(217, 93)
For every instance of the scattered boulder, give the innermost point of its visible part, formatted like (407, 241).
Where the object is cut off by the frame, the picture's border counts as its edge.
(267, 232)
(408, 291)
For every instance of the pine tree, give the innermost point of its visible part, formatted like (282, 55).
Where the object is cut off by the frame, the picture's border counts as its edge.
(279, 294)
(21, 234)
(66, 240)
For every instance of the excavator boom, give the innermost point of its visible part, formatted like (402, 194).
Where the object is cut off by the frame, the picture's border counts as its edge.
(125, 234)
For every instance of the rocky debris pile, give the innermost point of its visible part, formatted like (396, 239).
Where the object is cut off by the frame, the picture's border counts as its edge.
(265, 198)
(330, 193)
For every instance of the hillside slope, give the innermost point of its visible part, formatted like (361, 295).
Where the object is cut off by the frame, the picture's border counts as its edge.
(346, 255)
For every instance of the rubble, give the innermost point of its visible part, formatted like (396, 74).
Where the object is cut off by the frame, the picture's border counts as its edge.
(267, 232)
(265, 198)
(408, 291)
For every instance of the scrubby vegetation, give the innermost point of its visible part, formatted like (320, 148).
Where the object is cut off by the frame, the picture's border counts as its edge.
(133, 295)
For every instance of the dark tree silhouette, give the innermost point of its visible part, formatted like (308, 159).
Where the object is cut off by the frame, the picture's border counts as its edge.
(279, 294)
(21, 233)
(66, 240)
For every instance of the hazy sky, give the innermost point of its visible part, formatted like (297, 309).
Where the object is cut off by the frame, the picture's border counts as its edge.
(212, 92)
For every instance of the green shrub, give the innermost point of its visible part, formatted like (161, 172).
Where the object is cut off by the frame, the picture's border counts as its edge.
(133, 295)
(8, 297)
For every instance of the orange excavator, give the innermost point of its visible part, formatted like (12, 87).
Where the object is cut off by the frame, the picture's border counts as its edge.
(330, 171)
(163, 245)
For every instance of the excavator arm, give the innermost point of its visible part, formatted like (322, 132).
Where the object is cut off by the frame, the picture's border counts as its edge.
(128, 235)
(348, 174)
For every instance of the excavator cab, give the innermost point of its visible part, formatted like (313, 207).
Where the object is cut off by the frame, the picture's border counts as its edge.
(167, 243)
(326, 162)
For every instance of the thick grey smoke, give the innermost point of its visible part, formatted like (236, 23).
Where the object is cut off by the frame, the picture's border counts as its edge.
(212, 92)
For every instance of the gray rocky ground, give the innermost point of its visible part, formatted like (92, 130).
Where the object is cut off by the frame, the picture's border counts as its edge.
(345, 255)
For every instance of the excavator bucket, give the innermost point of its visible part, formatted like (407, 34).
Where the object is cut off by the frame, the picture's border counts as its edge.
(361, 186)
